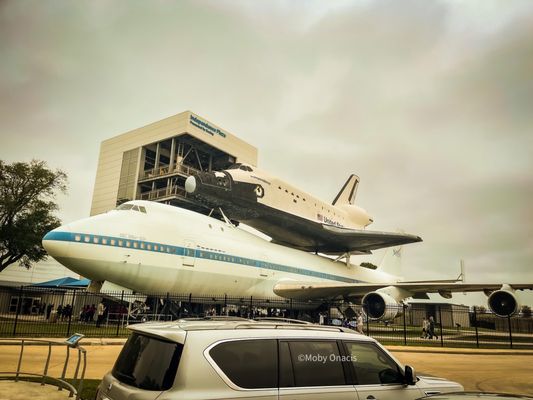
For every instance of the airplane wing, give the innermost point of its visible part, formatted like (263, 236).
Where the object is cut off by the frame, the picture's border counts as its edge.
(306, 235)
(309, 290)
(365, 241)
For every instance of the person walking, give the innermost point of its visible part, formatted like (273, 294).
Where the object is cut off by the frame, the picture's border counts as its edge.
(424, 329)
(432, 328)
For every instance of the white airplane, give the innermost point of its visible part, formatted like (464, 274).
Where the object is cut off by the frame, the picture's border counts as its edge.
(290, 216)
(150, 247)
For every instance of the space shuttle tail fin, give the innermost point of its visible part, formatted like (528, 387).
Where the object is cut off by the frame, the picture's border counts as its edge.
(348, 191)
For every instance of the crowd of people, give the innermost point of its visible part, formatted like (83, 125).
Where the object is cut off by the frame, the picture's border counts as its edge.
(87, 313)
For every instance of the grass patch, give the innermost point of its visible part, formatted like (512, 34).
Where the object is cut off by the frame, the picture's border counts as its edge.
(88, 392)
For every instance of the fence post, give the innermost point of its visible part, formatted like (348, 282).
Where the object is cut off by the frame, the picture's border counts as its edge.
(440, 323)
(19, 306)
(120, 312)
(167, 308)
(70, 314)
(475, 324)
(251, 313)
(510, 331)
(367, 325)
(404, 325)
(225, 304)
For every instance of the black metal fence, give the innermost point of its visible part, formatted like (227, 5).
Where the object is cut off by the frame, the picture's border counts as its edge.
(45, 312)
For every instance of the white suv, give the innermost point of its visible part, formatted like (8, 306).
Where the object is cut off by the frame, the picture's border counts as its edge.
(267, 360)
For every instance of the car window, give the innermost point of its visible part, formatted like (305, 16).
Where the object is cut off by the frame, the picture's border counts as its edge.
(312, 363)
(372, 366)
(250, 364)
(148, 363)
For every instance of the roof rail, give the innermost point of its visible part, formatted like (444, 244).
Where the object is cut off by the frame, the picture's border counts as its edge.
(274, 325)
(281, 319)
(214, 318)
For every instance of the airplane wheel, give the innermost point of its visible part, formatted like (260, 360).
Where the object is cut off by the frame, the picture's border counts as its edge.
(259, 191)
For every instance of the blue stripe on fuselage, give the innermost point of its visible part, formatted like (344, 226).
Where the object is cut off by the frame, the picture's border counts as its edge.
(84, 238)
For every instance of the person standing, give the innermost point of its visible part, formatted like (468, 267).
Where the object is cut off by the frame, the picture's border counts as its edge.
(359, 325)
(49, 309)
(100, 314)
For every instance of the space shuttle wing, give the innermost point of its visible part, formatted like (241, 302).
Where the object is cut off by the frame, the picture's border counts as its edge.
(321, 290)
(348, 240)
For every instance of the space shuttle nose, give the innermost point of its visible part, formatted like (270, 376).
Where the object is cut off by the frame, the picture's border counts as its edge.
(190, 184)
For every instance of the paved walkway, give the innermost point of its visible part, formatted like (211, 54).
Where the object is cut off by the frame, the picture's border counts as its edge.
(11, 390)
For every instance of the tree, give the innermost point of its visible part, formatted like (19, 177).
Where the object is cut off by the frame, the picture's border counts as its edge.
(526, 311)
(27, 194)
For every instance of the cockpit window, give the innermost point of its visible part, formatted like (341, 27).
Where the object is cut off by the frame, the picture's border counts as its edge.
(242, 167)
(132, 207)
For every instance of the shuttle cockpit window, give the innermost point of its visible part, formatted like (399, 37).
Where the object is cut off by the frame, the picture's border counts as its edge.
(242, 167)
(124, 207)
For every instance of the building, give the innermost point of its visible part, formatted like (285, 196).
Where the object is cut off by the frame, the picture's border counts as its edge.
(152, 162)
(450, 315)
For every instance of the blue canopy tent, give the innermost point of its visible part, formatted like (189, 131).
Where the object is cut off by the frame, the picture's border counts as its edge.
(80, 283)
(65, 283)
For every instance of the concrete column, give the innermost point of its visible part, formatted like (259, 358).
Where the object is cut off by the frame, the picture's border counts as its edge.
(157, 155)
(172, 155)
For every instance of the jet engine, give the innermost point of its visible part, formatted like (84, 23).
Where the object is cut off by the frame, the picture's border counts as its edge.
(503, 302)
(381, 306)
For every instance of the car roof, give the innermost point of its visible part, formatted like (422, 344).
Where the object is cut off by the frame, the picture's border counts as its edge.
(218, 327)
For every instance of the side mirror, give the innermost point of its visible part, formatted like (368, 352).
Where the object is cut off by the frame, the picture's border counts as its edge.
(410, 375)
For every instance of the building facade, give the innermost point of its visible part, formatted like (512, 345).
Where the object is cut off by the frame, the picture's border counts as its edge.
(152, 162)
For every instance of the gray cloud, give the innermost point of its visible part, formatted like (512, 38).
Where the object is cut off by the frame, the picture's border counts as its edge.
(429, 102)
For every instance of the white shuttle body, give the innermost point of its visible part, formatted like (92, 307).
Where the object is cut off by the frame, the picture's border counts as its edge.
(289, 215)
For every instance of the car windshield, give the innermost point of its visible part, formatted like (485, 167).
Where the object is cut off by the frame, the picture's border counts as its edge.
(148, 363)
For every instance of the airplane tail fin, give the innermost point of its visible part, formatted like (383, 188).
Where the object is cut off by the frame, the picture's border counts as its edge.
(391, 262)
(348, 191)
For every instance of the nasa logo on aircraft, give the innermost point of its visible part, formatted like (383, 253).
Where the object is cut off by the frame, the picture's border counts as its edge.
(259, 191)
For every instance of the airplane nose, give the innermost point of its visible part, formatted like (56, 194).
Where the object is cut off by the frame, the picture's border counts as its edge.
(57, 242)
(190, 184)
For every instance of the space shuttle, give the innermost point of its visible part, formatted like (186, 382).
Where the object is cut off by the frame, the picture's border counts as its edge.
(290, 216)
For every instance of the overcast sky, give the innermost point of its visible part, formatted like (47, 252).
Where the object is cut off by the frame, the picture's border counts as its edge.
(429, 102)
